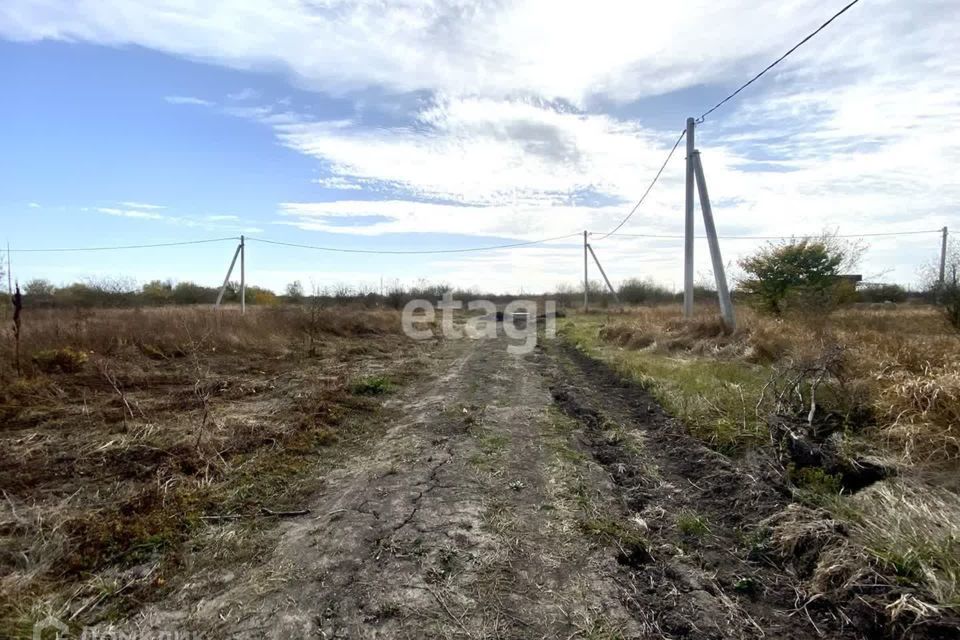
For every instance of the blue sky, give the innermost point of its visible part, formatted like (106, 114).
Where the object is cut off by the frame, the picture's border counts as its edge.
(426, 125)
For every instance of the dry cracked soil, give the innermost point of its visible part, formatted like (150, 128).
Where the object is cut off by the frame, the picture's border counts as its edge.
(514, 496)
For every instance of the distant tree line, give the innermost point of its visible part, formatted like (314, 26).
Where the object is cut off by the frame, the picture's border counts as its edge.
(125, 292)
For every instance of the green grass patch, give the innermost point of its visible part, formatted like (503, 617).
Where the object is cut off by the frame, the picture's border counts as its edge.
(372, 386)
(815, 484)
(65, 360)
(715, 398)
(613, 531)
(692, 524)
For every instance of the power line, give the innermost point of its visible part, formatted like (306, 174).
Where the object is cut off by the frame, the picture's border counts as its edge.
(649, 188)
(412, 252)
(720, 104)
(120, 247)
(851, 235)
(775, 62)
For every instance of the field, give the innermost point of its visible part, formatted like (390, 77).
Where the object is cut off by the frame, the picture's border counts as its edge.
(130, 432)
(315, 472)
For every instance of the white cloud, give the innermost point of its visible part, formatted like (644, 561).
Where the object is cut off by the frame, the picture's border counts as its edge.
(33, 205)
(244, 94)
(484, 151)
(190, 100)
(142, 205)
(150, 213)
(860, 125)
(131, 213)
(552, 49)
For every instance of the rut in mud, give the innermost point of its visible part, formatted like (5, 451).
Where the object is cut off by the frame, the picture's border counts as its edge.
(531, 496)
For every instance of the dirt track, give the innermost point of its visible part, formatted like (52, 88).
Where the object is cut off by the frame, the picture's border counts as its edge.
(529, 496)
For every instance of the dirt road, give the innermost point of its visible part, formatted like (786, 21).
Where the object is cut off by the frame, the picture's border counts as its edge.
(514, 496)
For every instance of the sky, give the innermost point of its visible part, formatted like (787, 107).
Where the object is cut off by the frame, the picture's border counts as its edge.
(448, 124)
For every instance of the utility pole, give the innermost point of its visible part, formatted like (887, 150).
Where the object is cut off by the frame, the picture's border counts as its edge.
(586, 284)
(723, 293)
(616, 298)
(243, 276)
(688, 227)
(943, 256)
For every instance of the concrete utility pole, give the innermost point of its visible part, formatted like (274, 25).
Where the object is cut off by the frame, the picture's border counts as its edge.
(243, 276)
(943, 256)
(688, 227)
(226, 280)
(616, 298)
(723, 293)
(586, 284)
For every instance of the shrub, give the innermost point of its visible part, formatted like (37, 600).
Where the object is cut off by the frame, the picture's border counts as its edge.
(882, 293)
(806, 270)
(636, 291)
(65, 360)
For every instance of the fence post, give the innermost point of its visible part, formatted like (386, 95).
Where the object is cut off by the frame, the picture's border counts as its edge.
(723, 293)
(688, 227)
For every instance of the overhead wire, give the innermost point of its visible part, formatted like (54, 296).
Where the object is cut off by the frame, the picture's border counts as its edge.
(120, 247)
(786, 237)
(775, 62)
(413, 251)
(649, 188)
(703, 116)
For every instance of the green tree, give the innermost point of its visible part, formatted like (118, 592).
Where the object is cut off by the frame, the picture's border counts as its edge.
(636, 291)
(804, 269)
(39, 288)
(158, 292)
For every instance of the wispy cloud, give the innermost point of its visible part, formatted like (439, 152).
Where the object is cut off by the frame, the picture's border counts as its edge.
(151, 213)
(131, 213)
(190, 100)
(143, 205)
(244, 94)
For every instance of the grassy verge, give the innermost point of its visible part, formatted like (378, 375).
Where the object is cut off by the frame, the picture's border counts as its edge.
(716, 398)
(897, 370)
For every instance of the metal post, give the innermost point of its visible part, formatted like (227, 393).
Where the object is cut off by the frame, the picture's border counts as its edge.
(616, 298)
(943, 256)
(226, 280)
(586, 284)
(688, 227)
(243, 276)
(723, 293)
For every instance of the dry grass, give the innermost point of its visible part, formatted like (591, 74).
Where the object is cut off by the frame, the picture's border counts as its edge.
(130, 427)
(894, 379)
(915, 529)
(902, 364)
(173, 332)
